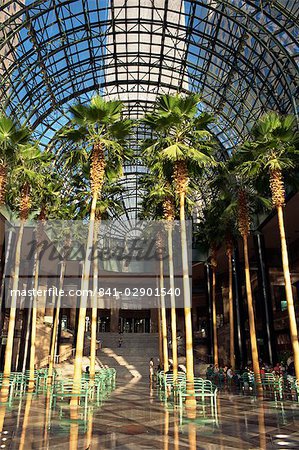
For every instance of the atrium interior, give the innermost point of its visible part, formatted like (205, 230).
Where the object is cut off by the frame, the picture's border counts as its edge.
(149, 237)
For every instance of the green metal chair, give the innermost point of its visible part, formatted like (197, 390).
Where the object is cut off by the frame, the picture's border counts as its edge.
(202, 389)
(273, 384)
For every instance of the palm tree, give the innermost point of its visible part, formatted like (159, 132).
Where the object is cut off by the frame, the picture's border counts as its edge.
(62, 237)
(244, 228)
(210, 235)
(154, 206)
(219, 227)
(181, 139)
(274, 151)
(100, 133)
(169, 214)
(39, 231)
(159, 244)
(46, 195)
(242, 201)
(11, 137)
(65, 252)
(106, 207)
(26, 175)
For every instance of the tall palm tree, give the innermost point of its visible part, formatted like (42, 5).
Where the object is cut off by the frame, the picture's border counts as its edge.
(46, 196)
(62, 238)
(244, 228)
(39, 231)
(98, 133)
(274, 151)
(243, 201)
(155, 198)
(107, 206)
(210, 235)
(159, 244)
(25, 175)
(169, 214)
(181, 139)
(11, 137)
(65, 252)
(219, 228)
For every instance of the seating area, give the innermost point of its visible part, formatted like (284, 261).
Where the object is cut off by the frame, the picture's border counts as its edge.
(149, 183)
(177, 389)
(280, 387)
(63, 388)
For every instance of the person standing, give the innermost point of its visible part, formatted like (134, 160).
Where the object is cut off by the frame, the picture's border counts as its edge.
(151, 370)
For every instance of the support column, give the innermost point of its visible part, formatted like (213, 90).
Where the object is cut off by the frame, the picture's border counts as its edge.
(58, 342)
(114, 319)
(77, 303)
(23, 353)
(209, 309)
(154, 320)
(240, 337)
(264, 288)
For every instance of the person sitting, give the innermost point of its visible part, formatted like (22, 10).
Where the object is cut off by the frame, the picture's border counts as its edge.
(170, 370)
(229, 373)
(159, 368)
(291, 369)
(209, 372)
(277, 369)
(182, 368)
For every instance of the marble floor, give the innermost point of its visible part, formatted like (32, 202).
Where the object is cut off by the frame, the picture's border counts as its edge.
(134, 417)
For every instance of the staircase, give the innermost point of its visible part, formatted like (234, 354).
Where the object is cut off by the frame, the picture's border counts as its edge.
(132, 358)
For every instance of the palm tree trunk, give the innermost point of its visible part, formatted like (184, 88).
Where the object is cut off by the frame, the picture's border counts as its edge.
(97, 173)
(288, 289)
(55, 325)
(23, 442)
(214, 317)
(160, 337)
(187, 309)
(253, 339)
(94, 312)
(74, 429)
(3, 182)
(93, 342)
(88, 441)
(231, 311)
(12, 317)
(33, 325)
(6, 252)
(173, 308)
(82, 313)
(163, 319)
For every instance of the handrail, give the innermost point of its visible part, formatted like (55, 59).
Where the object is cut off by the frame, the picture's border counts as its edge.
(58, 358)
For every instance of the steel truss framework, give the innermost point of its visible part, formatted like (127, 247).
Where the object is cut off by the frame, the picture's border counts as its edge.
(241, 56)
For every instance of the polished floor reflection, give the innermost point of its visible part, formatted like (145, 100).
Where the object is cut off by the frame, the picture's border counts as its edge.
(136, 417)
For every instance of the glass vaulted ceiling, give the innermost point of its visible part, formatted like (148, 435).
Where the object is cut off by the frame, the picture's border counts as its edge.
(241, 56)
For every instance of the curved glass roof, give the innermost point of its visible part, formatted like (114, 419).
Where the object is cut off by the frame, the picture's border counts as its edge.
(242, 56)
